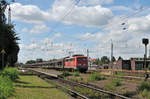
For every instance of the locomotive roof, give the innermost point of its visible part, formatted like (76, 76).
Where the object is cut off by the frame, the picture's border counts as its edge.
(74, 57)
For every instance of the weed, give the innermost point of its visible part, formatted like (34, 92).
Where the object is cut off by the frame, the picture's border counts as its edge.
(96, 77)
(90, 93)
(116, 82)
(113, 84)
(81, 79)
(76, 74)
(64, 74)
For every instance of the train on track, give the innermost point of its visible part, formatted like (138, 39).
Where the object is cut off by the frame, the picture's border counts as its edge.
(75, 62)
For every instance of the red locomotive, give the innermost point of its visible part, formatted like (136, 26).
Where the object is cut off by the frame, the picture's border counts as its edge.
(76, 62)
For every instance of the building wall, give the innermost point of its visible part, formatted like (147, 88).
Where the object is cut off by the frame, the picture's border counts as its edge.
(132, 65)
(117, 65)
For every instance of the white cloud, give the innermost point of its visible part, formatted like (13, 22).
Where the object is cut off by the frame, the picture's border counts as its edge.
(28, 13)
(90, 36)
(50, 40)
(96, 2)
(38, 29)
(24, 30)
(139, 25)
(81, 15)
(31, 46)
(121, 8)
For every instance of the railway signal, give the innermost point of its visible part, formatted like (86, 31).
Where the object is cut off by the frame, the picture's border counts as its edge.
(3, 52)
(145, 41)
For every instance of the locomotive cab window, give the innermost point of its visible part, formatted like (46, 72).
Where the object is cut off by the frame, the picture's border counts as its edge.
(81, 59)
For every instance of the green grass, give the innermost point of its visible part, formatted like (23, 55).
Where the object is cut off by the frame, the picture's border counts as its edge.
(32, 87)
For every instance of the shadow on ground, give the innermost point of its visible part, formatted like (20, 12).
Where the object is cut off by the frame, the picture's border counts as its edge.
(32, 86)
(22, 82)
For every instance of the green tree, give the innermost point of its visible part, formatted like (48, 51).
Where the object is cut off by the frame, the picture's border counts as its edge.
(39, 60)
(30, 62)
(8, 39)
(113, 59)
(105, 60)
(120, 58)
(98, 62)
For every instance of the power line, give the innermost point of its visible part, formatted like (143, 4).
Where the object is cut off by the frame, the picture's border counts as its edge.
(65, 15)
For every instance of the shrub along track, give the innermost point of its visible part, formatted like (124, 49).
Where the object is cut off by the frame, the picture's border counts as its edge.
(70, 85)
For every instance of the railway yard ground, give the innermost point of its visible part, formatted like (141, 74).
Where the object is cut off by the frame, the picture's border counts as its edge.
(115, 84)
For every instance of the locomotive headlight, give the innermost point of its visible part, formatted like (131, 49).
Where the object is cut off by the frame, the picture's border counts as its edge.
(84, 64)
(79, 64)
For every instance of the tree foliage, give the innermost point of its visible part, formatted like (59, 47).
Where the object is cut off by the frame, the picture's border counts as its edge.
(30, 62)
(8, 39)
(113, 59)
(120, 58)
(98, 62)
(39, 60)
(105, 60)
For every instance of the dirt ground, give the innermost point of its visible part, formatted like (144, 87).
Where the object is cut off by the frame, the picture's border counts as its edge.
(126, 87)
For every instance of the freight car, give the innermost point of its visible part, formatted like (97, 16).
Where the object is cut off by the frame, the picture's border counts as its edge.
(76, 62)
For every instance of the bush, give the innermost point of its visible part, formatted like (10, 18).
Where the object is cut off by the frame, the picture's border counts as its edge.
(6, 87)
(12, 73)
(76, 74)
(144, 85)
(144, 93)
(96, 77)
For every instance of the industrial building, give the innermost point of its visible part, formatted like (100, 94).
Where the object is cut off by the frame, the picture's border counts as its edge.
(131, 64)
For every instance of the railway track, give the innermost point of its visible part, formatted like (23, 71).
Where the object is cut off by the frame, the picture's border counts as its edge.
(73, 93)
(72, 84)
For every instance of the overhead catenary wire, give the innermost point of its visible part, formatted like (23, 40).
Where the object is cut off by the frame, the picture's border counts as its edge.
(65, 15)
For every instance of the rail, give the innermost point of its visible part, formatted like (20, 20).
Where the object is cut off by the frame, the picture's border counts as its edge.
(82, 85)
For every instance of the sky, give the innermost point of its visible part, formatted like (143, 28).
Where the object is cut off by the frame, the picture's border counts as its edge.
(57, 28)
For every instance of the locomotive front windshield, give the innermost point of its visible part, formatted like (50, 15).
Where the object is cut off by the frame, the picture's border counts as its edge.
(82, 59)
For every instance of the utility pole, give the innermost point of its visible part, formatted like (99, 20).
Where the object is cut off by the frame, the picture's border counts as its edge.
(112, 56)
(112, 52)
(88, 56)
(87, 53)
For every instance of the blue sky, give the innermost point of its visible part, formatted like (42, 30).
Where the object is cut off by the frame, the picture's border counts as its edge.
(53, 28)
